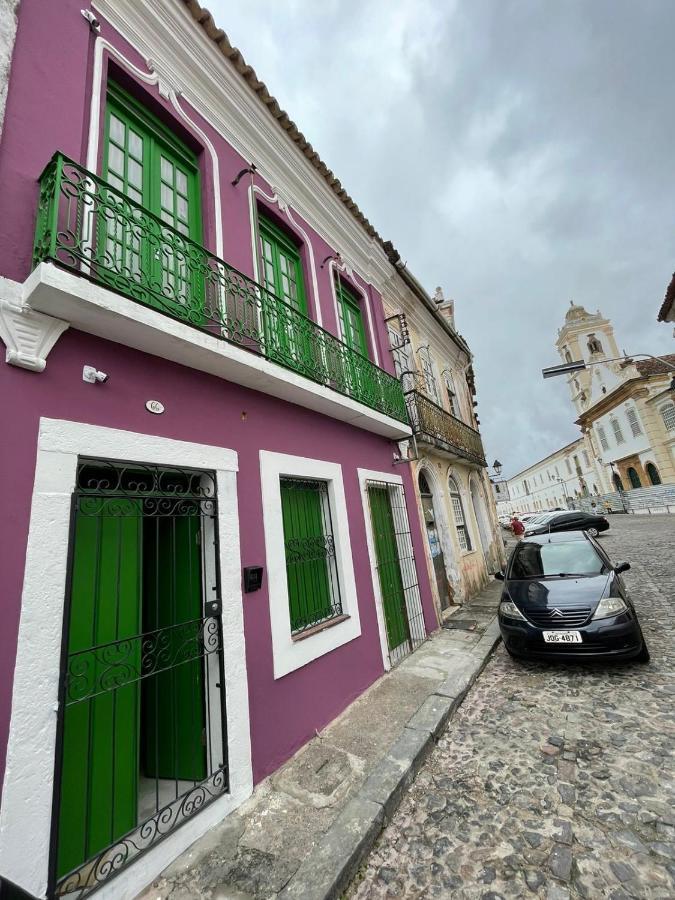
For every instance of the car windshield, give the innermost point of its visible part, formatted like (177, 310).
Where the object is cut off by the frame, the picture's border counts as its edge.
(545, 560)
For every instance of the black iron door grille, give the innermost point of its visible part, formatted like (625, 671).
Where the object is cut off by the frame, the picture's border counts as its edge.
(141, 739)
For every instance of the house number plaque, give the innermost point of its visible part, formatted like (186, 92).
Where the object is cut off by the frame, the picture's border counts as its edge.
(154, 406)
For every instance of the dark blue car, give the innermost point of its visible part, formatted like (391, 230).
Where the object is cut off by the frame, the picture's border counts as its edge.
(563, 599)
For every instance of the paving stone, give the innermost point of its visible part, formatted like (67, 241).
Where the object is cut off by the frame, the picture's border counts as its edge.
(603, 801)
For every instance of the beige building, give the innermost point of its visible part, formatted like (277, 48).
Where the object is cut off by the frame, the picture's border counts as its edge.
(458, 513)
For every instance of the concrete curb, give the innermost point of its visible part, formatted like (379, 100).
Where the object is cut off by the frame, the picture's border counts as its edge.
(326, 872)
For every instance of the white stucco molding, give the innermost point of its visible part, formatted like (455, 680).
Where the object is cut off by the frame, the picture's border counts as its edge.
(27, 335)
(97, 310)
(25, 817)
(289, 654)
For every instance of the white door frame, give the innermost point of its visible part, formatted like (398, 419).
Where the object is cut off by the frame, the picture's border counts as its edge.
(26, 815)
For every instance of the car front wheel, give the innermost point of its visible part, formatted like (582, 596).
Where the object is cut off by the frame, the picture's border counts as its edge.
(643, 656)
(593, 532)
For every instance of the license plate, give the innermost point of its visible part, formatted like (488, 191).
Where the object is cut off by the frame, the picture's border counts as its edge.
(562, 637)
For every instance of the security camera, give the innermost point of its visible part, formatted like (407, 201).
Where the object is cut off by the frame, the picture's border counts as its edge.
(92, 375)
(94, 23)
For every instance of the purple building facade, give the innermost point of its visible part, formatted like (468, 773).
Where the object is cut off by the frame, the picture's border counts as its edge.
(209, 550)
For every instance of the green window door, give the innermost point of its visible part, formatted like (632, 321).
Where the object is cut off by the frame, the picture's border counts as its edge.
(356, 372)
(286, 334)
(146, 163)
(351, 319)
(388, 566)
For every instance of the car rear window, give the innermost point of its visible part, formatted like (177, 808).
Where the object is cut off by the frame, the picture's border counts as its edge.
(535, 560)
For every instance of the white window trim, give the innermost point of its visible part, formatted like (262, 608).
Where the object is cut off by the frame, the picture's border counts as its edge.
(25, 818)
(366, 475)
(289, 654)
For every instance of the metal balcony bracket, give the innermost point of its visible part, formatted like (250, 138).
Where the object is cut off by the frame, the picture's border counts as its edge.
(28, 335)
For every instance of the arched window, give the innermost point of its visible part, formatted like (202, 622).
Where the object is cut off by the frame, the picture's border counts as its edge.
(568, 356)
(633, 421)
(458, 510)
(618, 433)
(653, 473)
(618, 483)
(594, 344)
(602, 437)
(668, 416)
(429, 375)
(452, 395)
(425, 490)
(634, 477)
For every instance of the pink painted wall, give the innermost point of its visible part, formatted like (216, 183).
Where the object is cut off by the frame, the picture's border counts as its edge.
(47, 110)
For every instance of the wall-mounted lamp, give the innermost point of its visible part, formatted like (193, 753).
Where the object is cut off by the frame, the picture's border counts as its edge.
(335, 256)
(248, 170)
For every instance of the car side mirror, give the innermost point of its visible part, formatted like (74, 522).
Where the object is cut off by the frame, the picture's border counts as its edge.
(499, 576)
(621, 567)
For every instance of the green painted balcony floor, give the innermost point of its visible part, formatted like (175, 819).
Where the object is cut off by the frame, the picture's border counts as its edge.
(86, 226)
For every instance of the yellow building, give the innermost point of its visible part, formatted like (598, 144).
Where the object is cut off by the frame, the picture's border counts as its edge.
(464, 545)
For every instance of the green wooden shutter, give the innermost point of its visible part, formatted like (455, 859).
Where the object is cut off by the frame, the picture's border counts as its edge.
(388, 566)
(173, 700)
(309, 550)
(101, 734)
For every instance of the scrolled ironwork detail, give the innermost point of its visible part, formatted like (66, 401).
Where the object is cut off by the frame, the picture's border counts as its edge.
(86, 225)
(107, 667)
(433, 423)
(95, 872)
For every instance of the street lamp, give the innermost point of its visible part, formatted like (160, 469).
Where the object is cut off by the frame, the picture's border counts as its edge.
(578, 364)
(497, 466)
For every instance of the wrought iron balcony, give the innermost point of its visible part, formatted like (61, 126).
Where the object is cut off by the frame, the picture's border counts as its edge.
(432, 424)
(87, 226)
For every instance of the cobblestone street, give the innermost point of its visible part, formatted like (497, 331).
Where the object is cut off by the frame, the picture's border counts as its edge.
(552, 781)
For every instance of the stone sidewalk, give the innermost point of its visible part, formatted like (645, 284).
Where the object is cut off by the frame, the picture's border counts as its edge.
(306, 829)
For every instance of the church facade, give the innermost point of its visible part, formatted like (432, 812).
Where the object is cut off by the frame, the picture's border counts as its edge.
(626, 413)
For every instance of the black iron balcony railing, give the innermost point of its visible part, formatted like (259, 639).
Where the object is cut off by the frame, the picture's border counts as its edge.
(432, 423)
(86, 225)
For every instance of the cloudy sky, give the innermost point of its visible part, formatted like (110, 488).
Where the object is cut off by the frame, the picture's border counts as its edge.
(520, 153)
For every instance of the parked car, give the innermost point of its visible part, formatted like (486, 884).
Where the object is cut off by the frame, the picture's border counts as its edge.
(563, 599)
(574, 520)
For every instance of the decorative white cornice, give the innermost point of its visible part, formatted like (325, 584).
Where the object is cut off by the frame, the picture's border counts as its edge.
(28, 335)
(175, 44)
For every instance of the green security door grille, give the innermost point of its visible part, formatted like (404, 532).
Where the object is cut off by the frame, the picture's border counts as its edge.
(313, 590)
(142, 743)
(154, 169)
(388, 566)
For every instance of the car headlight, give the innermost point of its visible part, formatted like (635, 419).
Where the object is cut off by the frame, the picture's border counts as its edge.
(509, 609)
(610, 606)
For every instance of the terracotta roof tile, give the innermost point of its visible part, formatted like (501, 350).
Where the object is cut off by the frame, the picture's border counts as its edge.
(201, 15)
(668, 301)
(655, 366)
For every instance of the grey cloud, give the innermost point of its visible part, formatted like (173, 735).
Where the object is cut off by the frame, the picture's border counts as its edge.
(519, 153)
